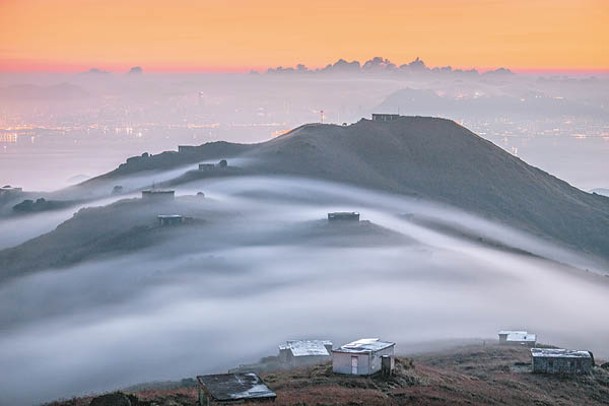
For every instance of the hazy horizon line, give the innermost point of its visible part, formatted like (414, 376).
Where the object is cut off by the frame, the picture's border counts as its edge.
(168, 68)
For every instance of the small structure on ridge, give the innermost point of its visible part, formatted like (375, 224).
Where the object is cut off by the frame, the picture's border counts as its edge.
(297, 353)
(207, 167)
(158, 194)
(187, 149)
(517, 337)
(338, 216)
(561, 361)
(170, 219)
(385, 117)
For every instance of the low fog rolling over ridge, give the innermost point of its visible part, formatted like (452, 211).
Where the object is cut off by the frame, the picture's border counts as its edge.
(429, 158)
(457, 240)
(263, 265)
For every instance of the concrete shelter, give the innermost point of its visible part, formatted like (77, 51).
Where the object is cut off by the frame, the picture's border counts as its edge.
(362, 357)
(517, 337)
(385, 117)
(170, 219)
(297, 353)
(561, 361)
(343, 216)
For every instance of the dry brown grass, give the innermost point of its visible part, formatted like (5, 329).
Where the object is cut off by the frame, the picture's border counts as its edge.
(472, 375)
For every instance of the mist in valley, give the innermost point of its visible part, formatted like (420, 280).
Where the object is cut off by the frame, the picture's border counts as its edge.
(173, 203)
(260, 264)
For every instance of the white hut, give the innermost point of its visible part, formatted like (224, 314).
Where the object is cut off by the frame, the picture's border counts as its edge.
(362, 357)
(513, 337)
(296, 353)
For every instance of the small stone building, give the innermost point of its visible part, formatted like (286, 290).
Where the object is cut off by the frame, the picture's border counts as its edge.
(339, 216)
(363, 357)
(297, 353)
(206, 167)
(239, 388)
(385, 117)
(158, 194)
(187, 149)
(170, 219)
(561, 361)
(517, 337)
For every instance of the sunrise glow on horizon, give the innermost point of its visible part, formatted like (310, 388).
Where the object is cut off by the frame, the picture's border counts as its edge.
(215, 35)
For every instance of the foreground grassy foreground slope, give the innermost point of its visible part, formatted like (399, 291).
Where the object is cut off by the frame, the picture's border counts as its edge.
(470, 375)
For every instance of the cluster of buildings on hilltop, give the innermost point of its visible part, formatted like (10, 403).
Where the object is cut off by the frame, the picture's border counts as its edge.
(172, 219)
(176, 219)
(366, 357)
(362, 357)
(550, 360)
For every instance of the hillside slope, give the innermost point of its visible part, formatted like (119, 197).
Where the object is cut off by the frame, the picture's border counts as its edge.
(129, 225)
(471, 375)
(424, 157)
(439, 160)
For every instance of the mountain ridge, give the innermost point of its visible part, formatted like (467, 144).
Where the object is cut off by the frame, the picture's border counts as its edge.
(424, 157)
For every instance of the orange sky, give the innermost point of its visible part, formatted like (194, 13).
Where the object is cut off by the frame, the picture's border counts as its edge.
(245, 34)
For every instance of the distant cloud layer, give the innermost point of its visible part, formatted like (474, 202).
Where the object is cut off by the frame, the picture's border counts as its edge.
(382, 65)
